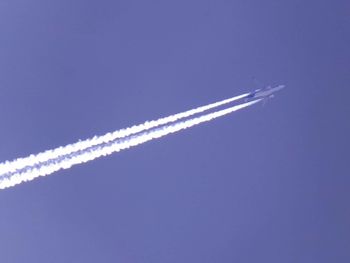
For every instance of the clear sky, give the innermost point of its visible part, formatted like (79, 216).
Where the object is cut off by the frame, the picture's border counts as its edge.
(266, 184)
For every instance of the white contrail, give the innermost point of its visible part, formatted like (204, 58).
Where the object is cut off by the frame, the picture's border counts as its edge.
(12, 166)
(113, 146)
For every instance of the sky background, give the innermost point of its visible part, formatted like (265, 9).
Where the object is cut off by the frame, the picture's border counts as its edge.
(265, 184)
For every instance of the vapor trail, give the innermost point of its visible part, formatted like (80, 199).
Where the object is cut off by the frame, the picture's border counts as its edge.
(32, 160)
(112, 146)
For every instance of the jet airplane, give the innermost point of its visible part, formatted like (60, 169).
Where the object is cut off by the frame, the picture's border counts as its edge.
(265, 93)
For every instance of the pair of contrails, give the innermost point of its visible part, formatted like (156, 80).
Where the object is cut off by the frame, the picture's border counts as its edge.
(45, 163)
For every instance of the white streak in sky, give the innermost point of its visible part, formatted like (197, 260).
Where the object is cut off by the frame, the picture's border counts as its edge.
(32, 160)
(66, 161)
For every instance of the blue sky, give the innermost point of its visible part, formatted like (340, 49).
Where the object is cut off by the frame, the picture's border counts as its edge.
(266, 184)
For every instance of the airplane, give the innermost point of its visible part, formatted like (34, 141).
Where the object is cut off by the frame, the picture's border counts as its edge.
(265, 93)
